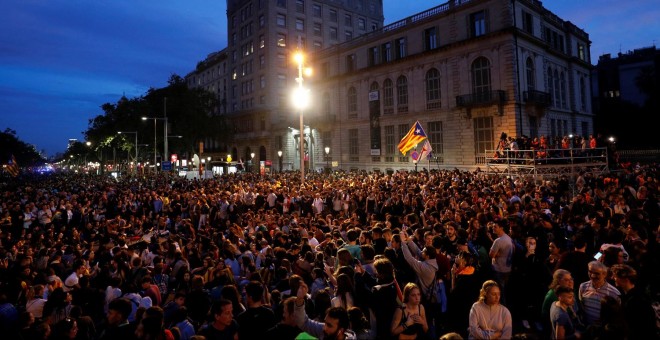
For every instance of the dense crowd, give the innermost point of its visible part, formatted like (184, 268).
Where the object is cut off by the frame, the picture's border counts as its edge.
(410, 255)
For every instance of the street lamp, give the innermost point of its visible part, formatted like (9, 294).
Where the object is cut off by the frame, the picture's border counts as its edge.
(300, 101)
(279, 154)
(251, 161)
(136, 144)
(156, 140)
(327, 158)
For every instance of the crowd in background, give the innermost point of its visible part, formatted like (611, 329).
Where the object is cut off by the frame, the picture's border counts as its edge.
(409, 255)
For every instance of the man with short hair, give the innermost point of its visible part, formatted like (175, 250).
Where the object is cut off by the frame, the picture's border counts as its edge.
(335, 325)
(501, 253)
(223, 326)
(257, 318)
(71, 282)
(637, 307)
(594, 290)
(118, 325)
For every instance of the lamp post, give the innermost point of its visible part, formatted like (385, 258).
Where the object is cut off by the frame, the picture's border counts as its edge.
(300, 100)
(136, 145)
(156, 138)
(327, 158)
(251, 161)
(279, 154)
(88, 144)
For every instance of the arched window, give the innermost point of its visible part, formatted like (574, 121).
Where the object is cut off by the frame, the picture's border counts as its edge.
(531, 80)
(352, 102)
(481, 76)
(550, 87)
(402, 94)
(432, 89)
(373, 86)
(388, 96)
(562, 87)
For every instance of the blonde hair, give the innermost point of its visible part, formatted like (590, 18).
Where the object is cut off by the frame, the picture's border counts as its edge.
(485, 288)
(407, 290)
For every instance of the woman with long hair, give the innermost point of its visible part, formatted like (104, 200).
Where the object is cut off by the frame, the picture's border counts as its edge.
(409, 321)
(230, 292)
(344, 292)
(58, 306)
(35, 301)
(359, 324)
(488, 318)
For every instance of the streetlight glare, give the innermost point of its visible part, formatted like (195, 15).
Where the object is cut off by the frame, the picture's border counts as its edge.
(144, 118)
(308, 71)
(298, 57)
(300, 98)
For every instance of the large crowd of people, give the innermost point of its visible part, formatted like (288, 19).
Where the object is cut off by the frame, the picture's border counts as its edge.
(435, 254)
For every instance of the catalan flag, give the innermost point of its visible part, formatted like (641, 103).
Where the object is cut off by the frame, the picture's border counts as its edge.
(12, 166)
(412, 138)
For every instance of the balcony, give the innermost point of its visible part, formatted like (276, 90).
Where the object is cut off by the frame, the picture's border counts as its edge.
(481, 99)
(538, 98)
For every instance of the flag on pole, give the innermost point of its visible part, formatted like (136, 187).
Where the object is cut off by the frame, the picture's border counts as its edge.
(412, 138)
(426, 151)
(12, 166)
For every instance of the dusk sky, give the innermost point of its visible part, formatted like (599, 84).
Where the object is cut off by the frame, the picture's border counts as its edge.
(60, 60)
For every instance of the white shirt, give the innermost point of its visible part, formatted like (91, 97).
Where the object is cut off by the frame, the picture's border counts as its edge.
(70, 282)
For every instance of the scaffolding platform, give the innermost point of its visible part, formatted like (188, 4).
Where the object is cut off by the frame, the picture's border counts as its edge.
(548, 163)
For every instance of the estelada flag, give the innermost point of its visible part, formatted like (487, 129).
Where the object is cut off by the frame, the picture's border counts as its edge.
(12, 166)
(412, 138)
(426, 151)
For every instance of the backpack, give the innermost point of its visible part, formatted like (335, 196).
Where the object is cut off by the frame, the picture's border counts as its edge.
(436, 294)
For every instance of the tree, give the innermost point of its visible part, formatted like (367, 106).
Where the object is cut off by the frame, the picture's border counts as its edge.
(25, 154)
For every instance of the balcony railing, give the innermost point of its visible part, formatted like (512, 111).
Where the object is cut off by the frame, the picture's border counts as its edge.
(539, 98)
(481, 98)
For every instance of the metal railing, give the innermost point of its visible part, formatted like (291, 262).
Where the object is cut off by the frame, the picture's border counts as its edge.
(481, 98)
(537, 97)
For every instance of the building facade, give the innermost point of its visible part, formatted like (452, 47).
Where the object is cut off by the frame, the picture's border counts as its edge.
(466, 70)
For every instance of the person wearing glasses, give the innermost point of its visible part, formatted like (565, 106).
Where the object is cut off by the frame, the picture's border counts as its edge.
(592, 291)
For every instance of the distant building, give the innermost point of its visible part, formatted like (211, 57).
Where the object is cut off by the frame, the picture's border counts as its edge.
(467, 70)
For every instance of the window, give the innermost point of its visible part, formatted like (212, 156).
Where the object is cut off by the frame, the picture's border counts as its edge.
(583, 94)
(262, 21)
(528, 22)
(435, 137)
(386, 51)
(533, 127)
(300, 24)
(374, 55)
(362, 24)
(300, 6)
(432, 89)
(262, 41)
(403, 130)
(316, 10)
(481, 76)
(529, 71)
(353, 145)
(402, 94)
(281, 40)
(562, 88)
(478, 23)
(483, 137)
(374, 25)
(400, 48)
(389, 142)
(317, 29)
(333, 15)
(582, 52)
(281, 80)
(281, 20)
(262, 61)
(550, 87)
(281, 60)
(351, 63)
(317, 45)
(326, 105)
(430, 39)
(348, 20)
(555, 77)
(281, 3)
(388, 96)
(348, 35)
(333, 33)
(352, 102)
(262, 82)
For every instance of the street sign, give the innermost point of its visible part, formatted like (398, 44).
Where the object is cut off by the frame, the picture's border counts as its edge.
(166, 166)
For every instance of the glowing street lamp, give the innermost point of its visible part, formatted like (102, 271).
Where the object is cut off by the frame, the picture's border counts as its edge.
(279, 154)
(301, 101)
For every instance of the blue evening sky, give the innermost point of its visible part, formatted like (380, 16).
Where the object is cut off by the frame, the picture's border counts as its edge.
(60, 60)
